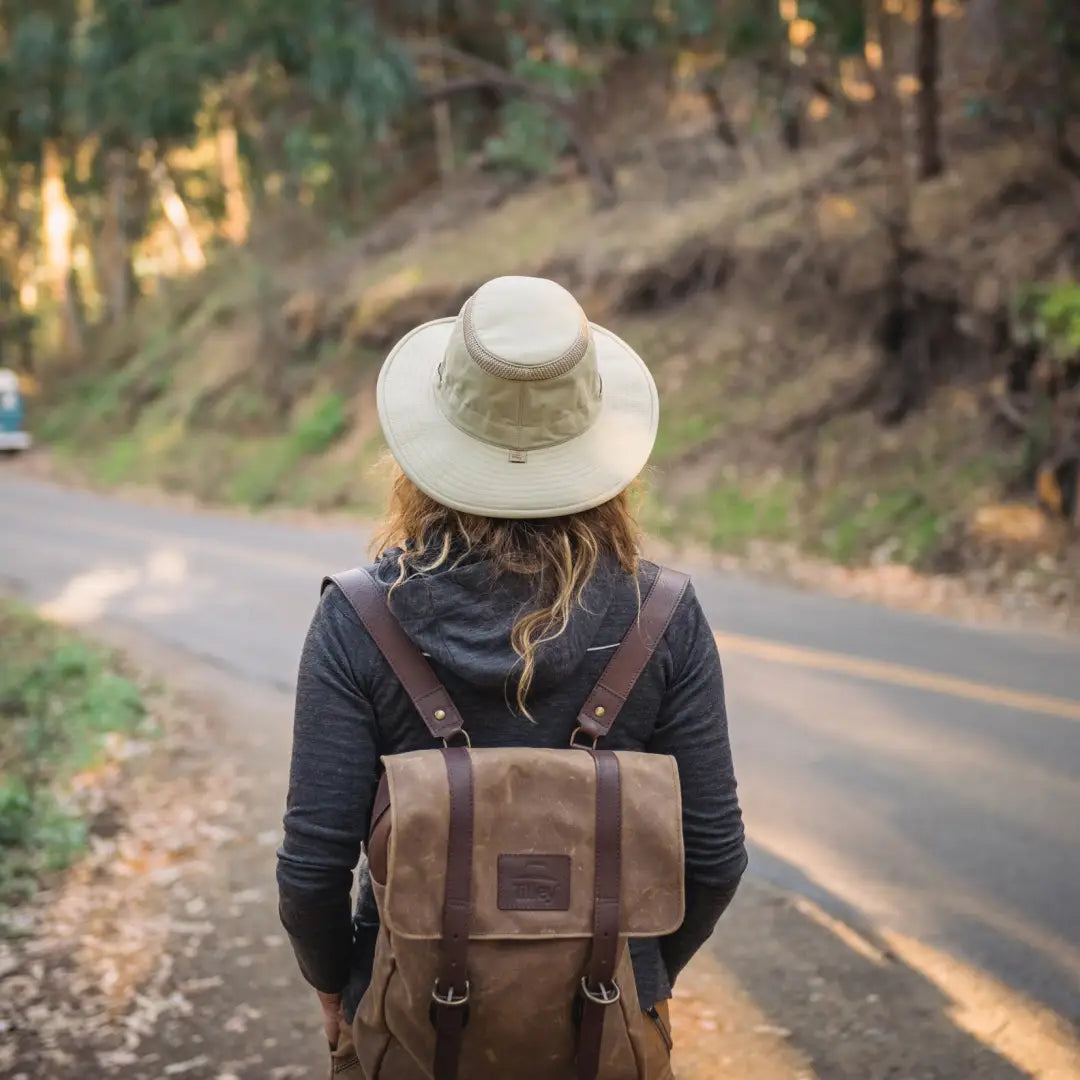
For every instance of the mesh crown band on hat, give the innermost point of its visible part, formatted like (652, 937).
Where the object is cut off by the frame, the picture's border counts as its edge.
(503, 369)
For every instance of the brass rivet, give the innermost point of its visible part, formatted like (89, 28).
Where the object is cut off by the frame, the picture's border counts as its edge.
(599, 710)
(440, 714)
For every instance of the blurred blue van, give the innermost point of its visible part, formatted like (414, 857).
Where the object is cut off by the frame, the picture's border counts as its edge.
(13, 434)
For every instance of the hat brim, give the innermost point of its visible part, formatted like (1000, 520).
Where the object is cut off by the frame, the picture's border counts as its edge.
(475, 477)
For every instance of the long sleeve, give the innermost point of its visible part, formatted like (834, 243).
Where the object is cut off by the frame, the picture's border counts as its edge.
(331, 787)
(692, 727)
(704, 906)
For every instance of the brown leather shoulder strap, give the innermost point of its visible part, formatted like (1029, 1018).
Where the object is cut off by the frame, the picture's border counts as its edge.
(599, 991)
(407, 662)
(450, 994)
(610, 693)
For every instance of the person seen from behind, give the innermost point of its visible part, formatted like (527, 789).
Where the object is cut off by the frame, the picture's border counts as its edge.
(511, 723)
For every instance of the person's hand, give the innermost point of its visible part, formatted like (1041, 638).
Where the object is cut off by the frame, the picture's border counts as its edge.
(333, 1017)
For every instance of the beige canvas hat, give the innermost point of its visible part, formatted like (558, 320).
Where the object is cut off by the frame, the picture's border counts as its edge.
(519, 407)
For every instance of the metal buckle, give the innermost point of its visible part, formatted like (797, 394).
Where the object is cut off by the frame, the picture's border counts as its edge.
(583, 746)
(464, 734)
(450, 999)
(605, 995)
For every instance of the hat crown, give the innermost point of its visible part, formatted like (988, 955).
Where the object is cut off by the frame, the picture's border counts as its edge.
(524, 329)
(520, 370)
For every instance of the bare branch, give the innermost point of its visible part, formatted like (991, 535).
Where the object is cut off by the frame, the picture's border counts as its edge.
(1009, 411)
(484, 74)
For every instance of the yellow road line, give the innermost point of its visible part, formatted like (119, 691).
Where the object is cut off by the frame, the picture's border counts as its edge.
(898, 675)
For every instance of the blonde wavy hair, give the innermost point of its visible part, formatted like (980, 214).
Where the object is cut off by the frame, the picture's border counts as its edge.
(559, 554)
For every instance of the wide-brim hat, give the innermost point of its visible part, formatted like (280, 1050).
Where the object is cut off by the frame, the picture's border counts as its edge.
(519, 407)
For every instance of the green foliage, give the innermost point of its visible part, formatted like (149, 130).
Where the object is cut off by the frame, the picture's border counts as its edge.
(16, 812)
(36, 70)
(747, 33)
(1060, 316)
(315, 87)
(269, 463)
(695, 18)
(738, 515)
(563, 80)
(58, 703)
(903, 526)
(530, 141)
(353, 74)
(142, 73)
(842, 22)
(119, 461)
(620, 21)
(351, 483)
(1047, 317)
(88, 400)
(679, 431)
(322, 426)
(1045, 328)
(353, 65)
(259, 480)
(634, 25)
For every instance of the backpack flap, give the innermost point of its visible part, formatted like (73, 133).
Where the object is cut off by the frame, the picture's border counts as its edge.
(534, 856)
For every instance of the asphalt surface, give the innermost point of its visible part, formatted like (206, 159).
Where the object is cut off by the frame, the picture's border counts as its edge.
(908, 773)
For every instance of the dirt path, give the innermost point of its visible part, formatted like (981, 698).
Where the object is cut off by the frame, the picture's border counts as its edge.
(162, 955)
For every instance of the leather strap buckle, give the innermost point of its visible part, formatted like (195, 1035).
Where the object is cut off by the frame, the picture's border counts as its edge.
(583, 745)
(605, 994)
(451, 999)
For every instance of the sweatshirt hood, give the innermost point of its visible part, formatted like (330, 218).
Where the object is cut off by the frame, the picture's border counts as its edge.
(461, 617)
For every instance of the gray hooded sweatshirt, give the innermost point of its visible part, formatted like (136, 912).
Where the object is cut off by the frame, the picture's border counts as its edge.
(350, 711)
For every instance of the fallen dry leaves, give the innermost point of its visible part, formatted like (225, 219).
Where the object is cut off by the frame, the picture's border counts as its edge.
(89, 962)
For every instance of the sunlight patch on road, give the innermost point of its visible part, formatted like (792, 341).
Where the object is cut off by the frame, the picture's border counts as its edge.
(851, 938)
(86, 597)
(159, 585)
(167, 566)
(1033, 1038)
(898, 675)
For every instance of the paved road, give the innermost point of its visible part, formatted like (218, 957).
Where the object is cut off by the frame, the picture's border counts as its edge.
(912, 774)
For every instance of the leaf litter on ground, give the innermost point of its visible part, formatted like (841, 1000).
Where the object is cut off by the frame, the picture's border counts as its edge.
(88, 964)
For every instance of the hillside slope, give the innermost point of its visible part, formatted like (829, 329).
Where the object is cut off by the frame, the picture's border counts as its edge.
(759, 301)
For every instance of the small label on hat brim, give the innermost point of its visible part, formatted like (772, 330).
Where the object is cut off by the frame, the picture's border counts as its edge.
(518, 457)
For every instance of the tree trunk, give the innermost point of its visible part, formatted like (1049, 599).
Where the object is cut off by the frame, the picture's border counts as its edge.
(984, 46)
(790, 112)
(1067, 33)
(9, 254)
(930, 160)
(27, 246)
(899, 374)
(191, 252)
(58, 223)
(115, 262)
(722, 125)
(483, 74)
(237, 216)
(444, 137)
(442, 119)
(891, 127)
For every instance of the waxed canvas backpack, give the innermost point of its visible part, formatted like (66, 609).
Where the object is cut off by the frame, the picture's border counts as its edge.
(508, 881)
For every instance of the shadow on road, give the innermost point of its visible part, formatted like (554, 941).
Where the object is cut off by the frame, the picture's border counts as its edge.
(946, 820)
(855, 1009)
